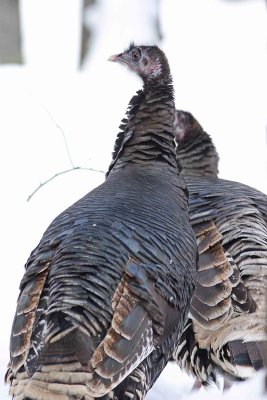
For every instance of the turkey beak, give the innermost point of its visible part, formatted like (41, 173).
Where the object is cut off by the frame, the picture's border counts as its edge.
(116, 58)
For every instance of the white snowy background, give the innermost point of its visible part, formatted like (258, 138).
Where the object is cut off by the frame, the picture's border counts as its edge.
(216, 49)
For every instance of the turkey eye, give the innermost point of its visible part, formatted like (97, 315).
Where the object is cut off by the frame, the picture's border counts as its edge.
(135, 55)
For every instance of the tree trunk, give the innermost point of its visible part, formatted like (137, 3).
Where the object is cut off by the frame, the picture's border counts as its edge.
(10, 37)
(86, 33)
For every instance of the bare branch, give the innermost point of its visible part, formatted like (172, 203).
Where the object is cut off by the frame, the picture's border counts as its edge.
(63, 133)
(73, 167)
(61, 173)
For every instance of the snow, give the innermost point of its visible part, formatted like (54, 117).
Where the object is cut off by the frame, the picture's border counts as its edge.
(51, 36)
(252, 389)
(216, 51)
(218, 64)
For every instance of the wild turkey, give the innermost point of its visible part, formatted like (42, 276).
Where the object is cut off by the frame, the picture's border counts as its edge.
(225, 330)
(106, 292)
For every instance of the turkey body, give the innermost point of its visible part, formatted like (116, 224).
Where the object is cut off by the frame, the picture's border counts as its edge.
(107, 290)
(226, 328)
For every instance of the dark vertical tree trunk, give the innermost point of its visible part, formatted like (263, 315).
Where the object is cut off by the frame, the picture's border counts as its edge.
(10, 36)
(86, 33)
(157, 21)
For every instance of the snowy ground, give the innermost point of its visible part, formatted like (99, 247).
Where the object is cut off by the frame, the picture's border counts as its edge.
(217, 55)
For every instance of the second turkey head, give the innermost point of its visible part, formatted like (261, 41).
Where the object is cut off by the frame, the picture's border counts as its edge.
(186, 127)
(195, 149)
(149, 62)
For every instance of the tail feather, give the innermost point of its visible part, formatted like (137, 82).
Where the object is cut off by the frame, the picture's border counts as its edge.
(65, 383)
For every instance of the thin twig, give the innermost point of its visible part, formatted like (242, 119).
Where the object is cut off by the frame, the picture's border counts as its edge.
(63, 134)
(61, 173)
(74, 168)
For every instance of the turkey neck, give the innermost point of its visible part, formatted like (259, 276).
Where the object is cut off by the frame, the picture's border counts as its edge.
(148, 133)
(198, 156)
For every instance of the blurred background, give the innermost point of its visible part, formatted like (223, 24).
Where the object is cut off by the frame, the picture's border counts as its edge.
(61, 103)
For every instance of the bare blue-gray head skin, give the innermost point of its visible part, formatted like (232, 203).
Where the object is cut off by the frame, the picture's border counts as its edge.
(149, 62)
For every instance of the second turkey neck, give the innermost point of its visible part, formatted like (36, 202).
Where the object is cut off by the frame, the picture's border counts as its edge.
(198, 156)
(147, 134)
